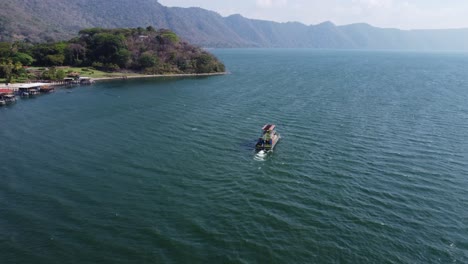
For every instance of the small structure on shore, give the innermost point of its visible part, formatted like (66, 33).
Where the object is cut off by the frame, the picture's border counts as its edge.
(28, 91)
(6, 91)
(74, 75)
(46, 89)
(7, 96)
(18, 88)
(68, 80)
(86, 80)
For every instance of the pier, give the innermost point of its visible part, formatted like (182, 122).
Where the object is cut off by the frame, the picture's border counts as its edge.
(8, 92)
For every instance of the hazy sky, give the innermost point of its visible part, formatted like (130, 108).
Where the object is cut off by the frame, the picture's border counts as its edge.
(404, 14)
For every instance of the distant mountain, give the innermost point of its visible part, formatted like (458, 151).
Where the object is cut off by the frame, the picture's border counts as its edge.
(48, 20)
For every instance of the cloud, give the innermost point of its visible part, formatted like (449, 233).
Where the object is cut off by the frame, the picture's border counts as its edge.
(405, 14)
(374, 3)
(271, 3)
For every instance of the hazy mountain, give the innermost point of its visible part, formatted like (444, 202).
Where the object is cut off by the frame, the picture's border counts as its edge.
(43, 20)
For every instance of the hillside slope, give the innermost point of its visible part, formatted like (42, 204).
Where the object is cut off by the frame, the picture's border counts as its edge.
(48, 20)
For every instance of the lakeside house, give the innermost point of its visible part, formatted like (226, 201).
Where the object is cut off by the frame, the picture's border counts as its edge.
(85, 80)
(9, 91)
(6, 91)
(15, 87)
(27, 89)
(7, 96)
(46, 89)
(30, 89)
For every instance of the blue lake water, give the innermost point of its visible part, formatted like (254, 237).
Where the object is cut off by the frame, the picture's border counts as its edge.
(372, 166)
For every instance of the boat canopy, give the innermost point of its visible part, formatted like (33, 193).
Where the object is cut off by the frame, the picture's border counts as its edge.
(31, 85)
(268, 127)
(6, 91)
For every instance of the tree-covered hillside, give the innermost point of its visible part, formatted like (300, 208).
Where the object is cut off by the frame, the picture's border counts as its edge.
(53, 20)
(142, 50)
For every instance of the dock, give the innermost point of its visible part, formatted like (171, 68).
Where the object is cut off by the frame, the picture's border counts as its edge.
(9, 92)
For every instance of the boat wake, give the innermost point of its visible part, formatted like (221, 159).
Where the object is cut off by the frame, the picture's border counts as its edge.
(261, 155)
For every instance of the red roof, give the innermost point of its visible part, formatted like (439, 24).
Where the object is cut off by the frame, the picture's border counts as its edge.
(268, 127)
(6, 91)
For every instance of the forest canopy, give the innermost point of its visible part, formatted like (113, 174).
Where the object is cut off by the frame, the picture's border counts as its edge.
(142, 50)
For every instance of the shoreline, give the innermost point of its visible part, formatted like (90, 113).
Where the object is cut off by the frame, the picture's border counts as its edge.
(16, 86)
(158, 76)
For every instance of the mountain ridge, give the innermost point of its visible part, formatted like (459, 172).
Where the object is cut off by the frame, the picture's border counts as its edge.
(50, 20)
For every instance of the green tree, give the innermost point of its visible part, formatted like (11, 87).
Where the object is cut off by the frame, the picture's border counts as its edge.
(23, 58)
(146, 50)
(109, 49)
(75, 54)
(46, 75)
(5, 50)
(147, 60)
(60, 74)
(8, 69)
(121, 58)
(204, 63)
(50, 74)
(167, 37)
(91, 31)
(54, 60)
(49, 54)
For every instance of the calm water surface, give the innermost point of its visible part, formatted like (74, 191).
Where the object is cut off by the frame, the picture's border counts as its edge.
(372, 166)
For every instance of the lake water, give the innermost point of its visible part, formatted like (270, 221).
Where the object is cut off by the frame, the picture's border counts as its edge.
(372, 166)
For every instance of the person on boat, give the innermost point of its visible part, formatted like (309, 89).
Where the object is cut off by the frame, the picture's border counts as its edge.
(260, 142)
(268, 138)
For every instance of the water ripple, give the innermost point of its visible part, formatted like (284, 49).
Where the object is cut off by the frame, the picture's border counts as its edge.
(371, 167)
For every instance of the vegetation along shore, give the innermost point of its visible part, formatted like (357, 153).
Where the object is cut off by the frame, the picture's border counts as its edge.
(103, 54)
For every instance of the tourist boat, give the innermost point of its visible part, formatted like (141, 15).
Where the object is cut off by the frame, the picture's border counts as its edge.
(268, 139)
(28, 91)
(9, 98)
(4, 96)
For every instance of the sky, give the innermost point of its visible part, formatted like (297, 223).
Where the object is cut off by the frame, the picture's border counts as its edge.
(402, 14)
